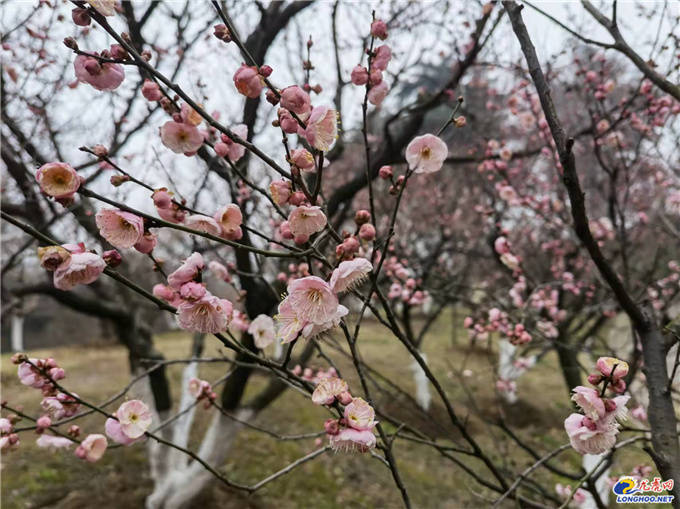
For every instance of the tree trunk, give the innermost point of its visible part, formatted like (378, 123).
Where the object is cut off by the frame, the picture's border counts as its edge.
(568, 359)
(184, 482)
(17, 332)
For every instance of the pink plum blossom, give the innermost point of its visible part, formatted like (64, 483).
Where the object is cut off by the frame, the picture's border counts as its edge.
(589, 437)
(306, 220)
(199, 388)
(263, 331)
(607, 365)
(426, 154)
(83, 269)
(289, 323)
(377, 94)
(360, 415)
(104, 7)
(205, 224)
(192, 291)
(327, 390)
(311, 329)
(151, 91)
(219, 270)
(303, 159)
(296, 100)
(134, 417)
(280, 191)
(101, 75)
(382, 57)
(209, 314)
(379, 29)
(234, 151)
(322, 128)
(181, 138)
(350, 274)
(46, 441)
(58, 180)
(229, 219)
(92, 448)
(121, 229)
(248, 81)
(114, 431)
(52, 257)
(313, 299)
(359, 75)
(589, 401)
(352, 440)
(146, 243)
(187, 271)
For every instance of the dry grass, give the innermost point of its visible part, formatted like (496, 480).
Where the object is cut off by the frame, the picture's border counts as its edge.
(33, 478)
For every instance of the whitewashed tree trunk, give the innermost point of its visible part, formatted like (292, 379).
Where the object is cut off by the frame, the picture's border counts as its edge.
(506, 368)
(181, 428)
(590, 461)
(17, 333)
(423, 395)
(509, 370)
(183, 482)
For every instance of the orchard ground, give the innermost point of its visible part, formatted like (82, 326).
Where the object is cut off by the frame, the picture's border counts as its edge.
(34, 477)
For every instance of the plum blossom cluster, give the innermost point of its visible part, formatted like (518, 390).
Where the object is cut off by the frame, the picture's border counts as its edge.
(404, 287)
(8, 439)
(202, 390)
(564, 492)
(354, 431)
(125, 230)
(73, 265)
(595, 430)
(497, 321)
(197, 309)
(311, 305)
(296, 115)
(378, 59)
(133, 420)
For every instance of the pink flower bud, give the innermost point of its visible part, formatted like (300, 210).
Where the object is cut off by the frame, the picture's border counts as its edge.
(297, 198)
(118, 52)
(80, 17)
(609, 405)
(379, 29)
(151, 91)
(367, 232)
(331, 426)
(44, 422)
(362, 217)
(100, 151)
(221, 149)
(345, 398)
(266, 71)
(460, 121)
(57, 373)
(301, 239)
(112, 258)
(594, 379)
(74, 430)
(385, 172)
(376, 77)
(359, 75)
(272, 98)
(222, 32)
